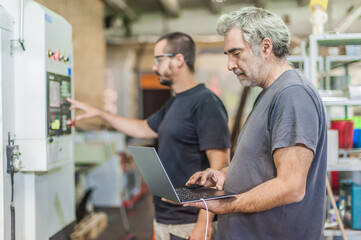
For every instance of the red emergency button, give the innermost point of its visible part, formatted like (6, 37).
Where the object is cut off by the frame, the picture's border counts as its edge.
(56, 55)
(70, 123)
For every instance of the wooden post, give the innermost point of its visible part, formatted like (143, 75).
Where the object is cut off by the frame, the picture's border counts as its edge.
(333, 202)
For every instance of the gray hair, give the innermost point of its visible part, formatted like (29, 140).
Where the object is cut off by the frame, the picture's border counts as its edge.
(257, 24)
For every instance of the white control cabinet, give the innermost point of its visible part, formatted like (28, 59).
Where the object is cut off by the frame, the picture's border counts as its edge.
(42, 83)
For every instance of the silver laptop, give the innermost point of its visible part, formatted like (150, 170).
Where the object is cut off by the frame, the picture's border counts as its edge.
(159, 184)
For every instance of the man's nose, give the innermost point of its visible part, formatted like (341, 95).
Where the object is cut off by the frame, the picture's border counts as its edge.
(155, 67)
(231, 65)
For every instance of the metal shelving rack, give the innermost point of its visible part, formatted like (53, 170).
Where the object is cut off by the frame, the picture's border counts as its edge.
(330, 40)
(303, 63)
(331, 62)
(340, 101)
(351, 234)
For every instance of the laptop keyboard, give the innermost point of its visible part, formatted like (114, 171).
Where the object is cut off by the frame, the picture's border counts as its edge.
(188, 194)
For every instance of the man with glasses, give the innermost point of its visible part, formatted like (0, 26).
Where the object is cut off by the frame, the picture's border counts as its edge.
(191, 128)
(279, 165)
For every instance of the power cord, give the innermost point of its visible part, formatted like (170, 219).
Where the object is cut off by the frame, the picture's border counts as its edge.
(12, 208)
(12, 156)
(205, 204)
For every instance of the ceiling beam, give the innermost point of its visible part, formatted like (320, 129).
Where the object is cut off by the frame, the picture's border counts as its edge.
(170, 7)
(350, 17)
(260, 3)
(123, 8)
(216, 5)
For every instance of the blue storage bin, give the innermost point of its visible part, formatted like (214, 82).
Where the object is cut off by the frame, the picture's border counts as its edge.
(357, 138)
(352, 193)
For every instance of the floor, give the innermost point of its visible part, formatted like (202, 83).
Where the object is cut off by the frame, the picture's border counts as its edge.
(140, 219)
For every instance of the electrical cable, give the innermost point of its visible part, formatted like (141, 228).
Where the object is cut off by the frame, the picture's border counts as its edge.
(205, 204)
(12, 187)
(12, 208)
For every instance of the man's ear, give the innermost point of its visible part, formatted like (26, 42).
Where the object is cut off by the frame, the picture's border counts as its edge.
(180, 60)
(266, 47)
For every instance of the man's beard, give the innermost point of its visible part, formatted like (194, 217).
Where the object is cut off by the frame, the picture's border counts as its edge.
(165, 80)
(248, 82)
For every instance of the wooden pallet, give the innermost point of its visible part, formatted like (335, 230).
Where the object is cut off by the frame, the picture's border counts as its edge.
(90, 227)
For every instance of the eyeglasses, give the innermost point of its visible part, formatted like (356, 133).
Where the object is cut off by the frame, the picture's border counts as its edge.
(157, 59)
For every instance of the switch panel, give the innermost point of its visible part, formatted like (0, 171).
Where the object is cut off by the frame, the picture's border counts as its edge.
(59, 115)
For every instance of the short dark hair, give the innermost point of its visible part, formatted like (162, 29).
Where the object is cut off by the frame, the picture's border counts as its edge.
(178, 42)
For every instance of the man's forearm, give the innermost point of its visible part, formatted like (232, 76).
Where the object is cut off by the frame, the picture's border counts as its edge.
(292, 164)
(202, 217)
(201, 223)
(130, 127)
(265, 196)
(289, 186)
(224, 170)
(218, 158)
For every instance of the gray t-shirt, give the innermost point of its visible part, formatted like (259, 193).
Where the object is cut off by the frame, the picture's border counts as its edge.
(288, 112)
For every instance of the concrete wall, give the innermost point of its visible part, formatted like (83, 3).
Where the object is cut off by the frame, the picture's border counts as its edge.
(120, 82)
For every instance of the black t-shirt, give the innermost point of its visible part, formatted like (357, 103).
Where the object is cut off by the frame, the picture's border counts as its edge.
(187, 125)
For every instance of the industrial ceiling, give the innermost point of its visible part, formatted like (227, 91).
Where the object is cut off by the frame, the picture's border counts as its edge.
(129, 18)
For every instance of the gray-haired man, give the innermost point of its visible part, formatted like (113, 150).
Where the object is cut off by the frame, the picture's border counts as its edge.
(279, 166)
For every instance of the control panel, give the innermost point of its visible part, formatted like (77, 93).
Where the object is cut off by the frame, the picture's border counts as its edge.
(59, 115)
(43, 121)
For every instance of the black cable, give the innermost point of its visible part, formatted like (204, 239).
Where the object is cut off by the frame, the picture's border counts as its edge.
(12, 208)
(12, 187)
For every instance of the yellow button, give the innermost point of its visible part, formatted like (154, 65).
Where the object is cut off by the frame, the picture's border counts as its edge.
(55, 124)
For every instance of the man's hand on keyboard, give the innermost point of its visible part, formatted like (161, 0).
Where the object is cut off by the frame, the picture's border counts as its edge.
(208, 178)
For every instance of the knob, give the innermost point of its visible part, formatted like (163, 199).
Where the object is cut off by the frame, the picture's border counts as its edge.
(50, 53)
